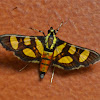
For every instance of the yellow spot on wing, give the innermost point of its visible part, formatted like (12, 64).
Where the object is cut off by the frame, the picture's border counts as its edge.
(14, 42)
(84, 55)
(66, 59)
(39, 45)
(72, 49)
(27, 40)
(29, 52)
(59, 49)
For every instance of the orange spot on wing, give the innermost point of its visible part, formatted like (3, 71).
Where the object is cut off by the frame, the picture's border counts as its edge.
(34, 48)
(20, 39)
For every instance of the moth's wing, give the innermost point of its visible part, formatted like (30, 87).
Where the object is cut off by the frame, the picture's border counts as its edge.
(27, 48)
(69, 57)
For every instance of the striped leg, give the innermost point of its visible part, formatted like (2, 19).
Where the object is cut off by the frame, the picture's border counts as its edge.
(52, 74)
(23, 68)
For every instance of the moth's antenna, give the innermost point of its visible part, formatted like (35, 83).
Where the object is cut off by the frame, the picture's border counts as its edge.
(23, 68)
(38, 30)
(48, 23)
(52, 74)
(60, 26)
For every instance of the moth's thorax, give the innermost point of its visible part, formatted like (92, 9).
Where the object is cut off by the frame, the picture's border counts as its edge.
(50, 40)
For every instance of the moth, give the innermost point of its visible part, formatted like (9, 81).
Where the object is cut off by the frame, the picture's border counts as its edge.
(49, 50)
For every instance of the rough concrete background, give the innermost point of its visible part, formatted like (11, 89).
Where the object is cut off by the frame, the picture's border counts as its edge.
(82, 28)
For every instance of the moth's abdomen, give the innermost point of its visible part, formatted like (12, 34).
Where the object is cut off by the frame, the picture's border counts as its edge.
(45, 62)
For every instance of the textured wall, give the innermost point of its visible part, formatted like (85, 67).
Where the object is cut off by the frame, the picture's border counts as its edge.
(16, 16)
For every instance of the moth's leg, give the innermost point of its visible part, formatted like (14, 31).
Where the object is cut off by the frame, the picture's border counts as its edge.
(38, 30)
(52, 74)
(23, 68)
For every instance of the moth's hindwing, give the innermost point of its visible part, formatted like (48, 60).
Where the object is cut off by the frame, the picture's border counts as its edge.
(27, 48)
(69, 57)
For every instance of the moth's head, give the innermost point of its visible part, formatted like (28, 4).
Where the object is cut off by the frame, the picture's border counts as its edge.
(51, 31)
